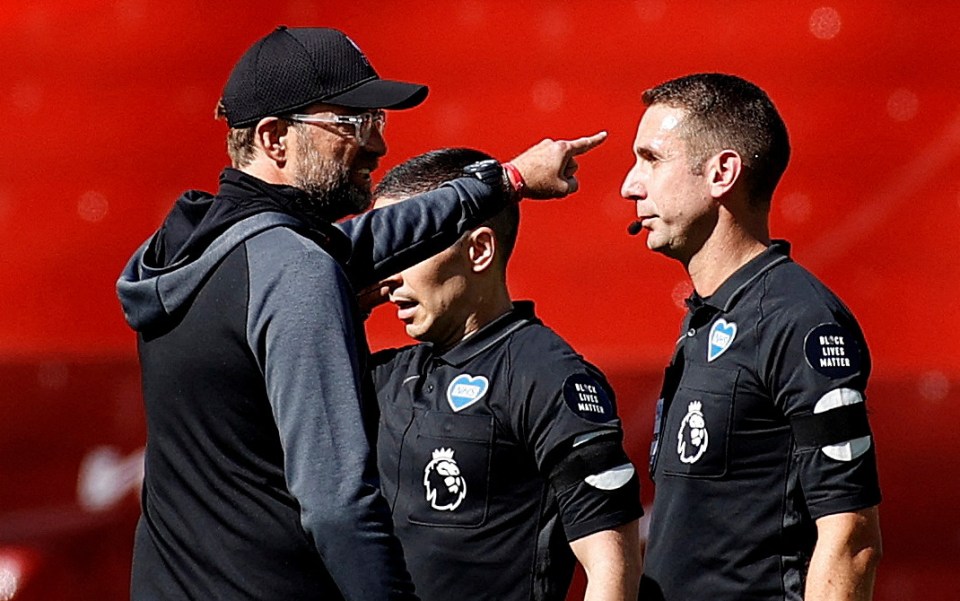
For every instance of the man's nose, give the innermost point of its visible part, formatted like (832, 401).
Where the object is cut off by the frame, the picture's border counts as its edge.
(632, 188)
(392, 282)
(376, 144)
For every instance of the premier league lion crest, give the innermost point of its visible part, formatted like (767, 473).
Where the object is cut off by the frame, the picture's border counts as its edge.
(445, 487)
(693, 437)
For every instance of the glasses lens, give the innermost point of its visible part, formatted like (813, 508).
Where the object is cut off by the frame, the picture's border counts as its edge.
(369, 121)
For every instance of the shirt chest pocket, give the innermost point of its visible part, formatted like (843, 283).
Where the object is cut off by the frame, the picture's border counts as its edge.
(447, 476)
(696, 432)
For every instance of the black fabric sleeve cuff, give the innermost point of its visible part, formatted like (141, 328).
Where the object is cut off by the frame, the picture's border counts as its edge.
(607, 521)
(585, 510)
(845, 504)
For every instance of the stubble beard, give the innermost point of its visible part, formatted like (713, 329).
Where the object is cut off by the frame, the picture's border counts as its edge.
(330, 194)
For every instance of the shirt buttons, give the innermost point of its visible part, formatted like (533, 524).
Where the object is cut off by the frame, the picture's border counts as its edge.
(691, 332)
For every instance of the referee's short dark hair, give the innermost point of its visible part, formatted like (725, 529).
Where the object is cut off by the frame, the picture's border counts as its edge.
(729, 112)
(430, 170)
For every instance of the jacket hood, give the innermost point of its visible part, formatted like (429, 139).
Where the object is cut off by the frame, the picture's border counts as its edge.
(201, 229)
(150, 294)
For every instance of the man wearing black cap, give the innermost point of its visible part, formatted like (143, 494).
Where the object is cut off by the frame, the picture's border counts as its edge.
(259, 483)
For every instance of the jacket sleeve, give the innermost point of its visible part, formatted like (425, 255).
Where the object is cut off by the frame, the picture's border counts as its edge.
(302, 330)
(388, 240)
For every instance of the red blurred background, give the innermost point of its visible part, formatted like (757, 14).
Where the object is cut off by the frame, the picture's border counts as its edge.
(112, 103)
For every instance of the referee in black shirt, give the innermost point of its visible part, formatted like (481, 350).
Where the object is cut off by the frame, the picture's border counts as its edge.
(763, 459)
(500, 450)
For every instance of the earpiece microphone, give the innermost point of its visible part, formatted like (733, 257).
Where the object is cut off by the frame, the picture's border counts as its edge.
(634, 228)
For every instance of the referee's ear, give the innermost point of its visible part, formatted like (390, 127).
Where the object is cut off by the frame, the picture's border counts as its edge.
(722, 172)
(481, 249)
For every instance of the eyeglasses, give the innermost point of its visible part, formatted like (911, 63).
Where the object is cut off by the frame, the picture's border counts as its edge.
(363, 123)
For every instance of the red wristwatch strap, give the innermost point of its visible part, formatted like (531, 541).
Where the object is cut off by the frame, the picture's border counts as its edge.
(515, 178)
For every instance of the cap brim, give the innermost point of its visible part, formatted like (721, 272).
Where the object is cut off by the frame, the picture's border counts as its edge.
(381, 94)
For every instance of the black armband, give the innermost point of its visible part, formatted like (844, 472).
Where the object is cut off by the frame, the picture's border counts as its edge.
(835, 426)
(594, 457)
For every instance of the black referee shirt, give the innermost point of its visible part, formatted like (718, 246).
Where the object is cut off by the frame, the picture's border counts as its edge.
(466, 438)
(736, 495)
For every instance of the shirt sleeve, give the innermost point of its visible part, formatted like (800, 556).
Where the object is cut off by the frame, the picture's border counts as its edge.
(302, 330)
(388, 240)
(568, 420)
(817, 367)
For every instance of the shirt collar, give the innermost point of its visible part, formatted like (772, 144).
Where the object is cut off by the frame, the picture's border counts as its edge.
(730, 291)
(489, 335)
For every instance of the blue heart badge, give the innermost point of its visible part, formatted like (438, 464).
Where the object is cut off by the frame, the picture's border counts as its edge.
(466, 390)
(721, 337)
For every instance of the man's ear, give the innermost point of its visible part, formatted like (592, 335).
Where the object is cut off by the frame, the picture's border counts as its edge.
(481, 248)
(271, 138)
(723, 171)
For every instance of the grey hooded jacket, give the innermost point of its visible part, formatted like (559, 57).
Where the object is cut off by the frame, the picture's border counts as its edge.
(259, 479)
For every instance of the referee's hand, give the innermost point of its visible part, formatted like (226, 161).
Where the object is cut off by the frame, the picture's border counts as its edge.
(548, 168)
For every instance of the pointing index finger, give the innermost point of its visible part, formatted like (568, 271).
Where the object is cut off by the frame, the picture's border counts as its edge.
(586, 143)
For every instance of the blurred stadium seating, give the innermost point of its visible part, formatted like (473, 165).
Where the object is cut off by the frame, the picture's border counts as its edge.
(107, 108)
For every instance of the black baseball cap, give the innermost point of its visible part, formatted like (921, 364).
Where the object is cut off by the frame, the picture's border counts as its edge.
(292, 68)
